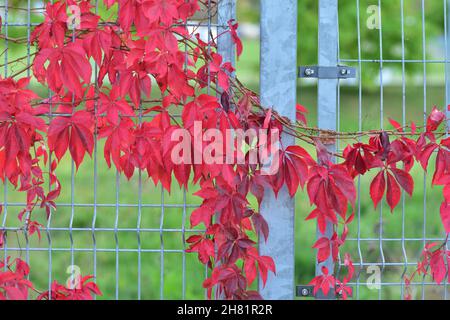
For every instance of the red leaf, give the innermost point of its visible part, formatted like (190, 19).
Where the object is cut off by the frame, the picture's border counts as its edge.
(201, 214)
(324, 249)
(291, 178)
(261, 226)
(250, 270)
(446, 194)
(435, 119)
(393, 192)
(75, 132)
(323, 282)
(234, 36)
(442, 173)
(437, 265)
(425, 153)
(300, 114)
(404, 179)
(377, 188)
(203, 246)
(396, 125)
(265, 264)
(164, 11)
(322, 218)
(14, 293)
(445, 215)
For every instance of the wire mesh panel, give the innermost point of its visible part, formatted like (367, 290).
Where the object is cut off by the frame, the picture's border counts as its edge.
(130, 235)
(400, 50)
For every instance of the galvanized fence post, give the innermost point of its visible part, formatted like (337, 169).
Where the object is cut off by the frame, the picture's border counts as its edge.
(226, 11)
(278, 90)
(327, 96)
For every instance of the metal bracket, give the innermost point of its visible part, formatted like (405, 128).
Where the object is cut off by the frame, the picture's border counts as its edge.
(308, 292)
(339, 72)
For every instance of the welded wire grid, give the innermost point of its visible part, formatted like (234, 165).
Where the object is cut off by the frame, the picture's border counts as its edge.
(129, 234)
(384, 243)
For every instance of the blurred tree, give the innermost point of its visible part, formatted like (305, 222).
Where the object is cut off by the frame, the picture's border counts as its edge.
(369, 23)
(391, 30)
(391, 23)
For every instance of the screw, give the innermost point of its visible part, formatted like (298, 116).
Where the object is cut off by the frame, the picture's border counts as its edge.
(344, 72)
(305, 292)
(309, 72)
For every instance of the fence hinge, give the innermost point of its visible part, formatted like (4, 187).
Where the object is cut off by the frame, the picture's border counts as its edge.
(308, 292)
(339, 72)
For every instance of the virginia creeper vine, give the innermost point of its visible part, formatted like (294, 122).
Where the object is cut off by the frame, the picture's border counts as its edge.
(146, 48)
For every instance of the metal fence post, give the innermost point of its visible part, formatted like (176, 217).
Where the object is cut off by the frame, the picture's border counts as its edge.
(278, 90)
(226, 11)
(327, 96)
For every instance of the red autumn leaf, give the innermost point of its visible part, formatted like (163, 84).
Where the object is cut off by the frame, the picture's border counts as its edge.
(203, 246)
(261, 226)
(250, 270)
(441, 174)
(85, 290)
(34, 227)
(164, 11)
(377, 188)
(413, 127)
(393, 192)
(75, 133)
(404, 179)
(52, 31)
(300, 114)
(322, 218)
(323, 282)
(424, 154)
(265, 264)
(351, 269)
(396, 125)
(201, 214)
(291, 177)
(297, 162)
(331, 189)
(446, 192)
(437, 266)
(323, 249)
(445, 215)
(100, 41)
(114, 106)
(435, 119)
(235, 37)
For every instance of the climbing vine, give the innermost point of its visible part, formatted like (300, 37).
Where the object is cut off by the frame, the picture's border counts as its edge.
(150, 63)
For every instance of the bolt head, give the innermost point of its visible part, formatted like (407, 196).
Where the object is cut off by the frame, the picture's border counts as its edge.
(305, 292)
(309, 72)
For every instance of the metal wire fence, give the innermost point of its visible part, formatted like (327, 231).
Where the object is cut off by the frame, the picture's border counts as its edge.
(386, 246)
(131, 235)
